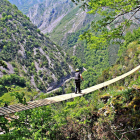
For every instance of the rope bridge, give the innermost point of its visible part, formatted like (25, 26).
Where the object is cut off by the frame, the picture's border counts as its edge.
(43, 102)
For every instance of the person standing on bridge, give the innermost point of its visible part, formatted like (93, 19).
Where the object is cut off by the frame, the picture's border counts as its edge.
(78, 78)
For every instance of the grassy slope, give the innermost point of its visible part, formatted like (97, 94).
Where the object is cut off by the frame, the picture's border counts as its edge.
(63, 27)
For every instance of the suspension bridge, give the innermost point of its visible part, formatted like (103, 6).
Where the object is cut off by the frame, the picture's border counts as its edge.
(43, 102)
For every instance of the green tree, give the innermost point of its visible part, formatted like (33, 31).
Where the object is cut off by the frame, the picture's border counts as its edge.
(2, 63)
(112, 20)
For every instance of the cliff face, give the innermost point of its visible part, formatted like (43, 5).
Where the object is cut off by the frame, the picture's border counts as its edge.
(75, 20)
(24, 5)
(48, 15)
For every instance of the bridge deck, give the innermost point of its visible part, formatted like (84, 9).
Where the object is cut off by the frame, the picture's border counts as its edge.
(50, 100)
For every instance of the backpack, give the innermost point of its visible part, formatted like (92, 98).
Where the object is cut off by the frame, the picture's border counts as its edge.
(77, 76)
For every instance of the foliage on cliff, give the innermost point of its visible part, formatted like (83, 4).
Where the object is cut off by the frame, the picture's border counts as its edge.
(116, 18)
(129, 54)
(95, 116)
(27, 52)
(110, 113)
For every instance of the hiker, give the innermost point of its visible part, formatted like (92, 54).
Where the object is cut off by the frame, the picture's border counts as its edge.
(78, 78)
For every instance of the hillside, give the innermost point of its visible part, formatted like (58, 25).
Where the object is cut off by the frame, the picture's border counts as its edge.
(129, 54)
(63, 22)
(27, 52)
(49, 14)
(110, 113)
(58, 17)
(74, 21)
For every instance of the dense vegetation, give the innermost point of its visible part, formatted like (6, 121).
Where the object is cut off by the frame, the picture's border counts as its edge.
(94, 60)
(90, 59)
(94, 116)
(116, 18)
(99, 35)
(129, 54)
(31, 54)
(110, 113)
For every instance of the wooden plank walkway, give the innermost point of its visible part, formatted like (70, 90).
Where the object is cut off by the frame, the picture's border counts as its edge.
(50, 100)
